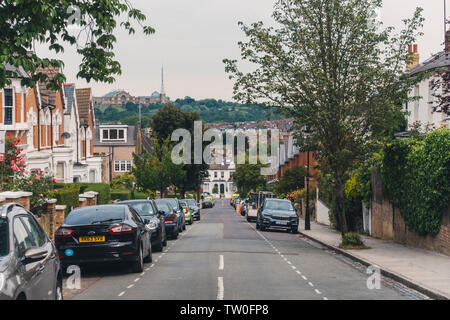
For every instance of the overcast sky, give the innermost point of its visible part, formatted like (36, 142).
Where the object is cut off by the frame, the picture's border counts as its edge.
(194, 36)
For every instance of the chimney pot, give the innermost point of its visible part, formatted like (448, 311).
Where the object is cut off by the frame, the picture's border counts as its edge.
(415, 48)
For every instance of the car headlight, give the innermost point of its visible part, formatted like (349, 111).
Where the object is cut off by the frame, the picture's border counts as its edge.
(153, 225)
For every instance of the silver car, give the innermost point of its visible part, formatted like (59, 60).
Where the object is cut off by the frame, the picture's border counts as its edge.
(29, 264)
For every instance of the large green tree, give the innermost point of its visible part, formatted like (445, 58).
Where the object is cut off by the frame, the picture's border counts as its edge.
(157, 172)
(165, 122)
(332, 66)
(88, 26)
(247, 177)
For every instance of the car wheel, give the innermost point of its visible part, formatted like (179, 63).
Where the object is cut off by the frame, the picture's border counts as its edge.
(198, 218)
(184, 226)
(159, 247)
(59, 290)
(294, 231)
(138, 265)
(257, 224)
(149, 258)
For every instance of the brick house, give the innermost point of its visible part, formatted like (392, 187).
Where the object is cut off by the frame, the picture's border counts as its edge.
(115, 144)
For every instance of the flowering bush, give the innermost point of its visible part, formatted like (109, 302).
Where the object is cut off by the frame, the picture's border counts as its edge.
(13, 164)
(40, 183)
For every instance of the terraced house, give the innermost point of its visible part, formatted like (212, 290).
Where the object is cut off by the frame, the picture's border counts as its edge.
(50, 129)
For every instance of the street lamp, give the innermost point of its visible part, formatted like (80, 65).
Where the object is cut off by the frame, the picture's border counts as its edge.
(307, 132)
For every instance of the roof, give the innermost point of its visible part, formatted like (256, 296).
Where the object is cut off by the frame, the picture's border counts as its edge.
(147, 143)
(112, 93)
(84, 103)
(131, 138)
(48, 97)
(439, 60)
(69, 91)
(18, 71)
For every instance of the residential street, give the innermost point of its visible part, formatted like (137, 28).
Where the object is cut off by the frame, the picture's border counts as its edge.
(224, 257)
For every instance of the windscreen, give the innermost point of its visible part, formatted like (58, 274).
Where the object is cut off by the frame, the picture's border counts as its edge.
(279, 205)
(95, 215)
(143, 208)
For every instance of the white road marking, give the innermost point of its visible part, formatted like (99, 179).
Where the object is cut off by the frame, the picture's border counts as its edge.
(299, 272)
(142, 274)
(325, 298)
(130, 286)
(122, 293)
(310, 283)
(318, 292)
(137, 279)
(304, 278)
(294, 267)
(221, 262)
(220, 291)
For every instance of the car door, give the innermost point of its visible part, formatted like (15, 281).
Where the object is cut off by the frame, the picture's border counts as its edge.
(49, 266)
(29, 273)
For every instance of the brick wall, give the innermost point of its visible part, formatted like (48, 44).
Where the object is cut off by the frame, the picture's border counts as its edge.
(388, 223)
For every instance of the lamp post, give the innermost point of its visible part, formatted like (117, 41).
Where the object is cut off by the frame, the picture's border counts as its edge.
(307, 131)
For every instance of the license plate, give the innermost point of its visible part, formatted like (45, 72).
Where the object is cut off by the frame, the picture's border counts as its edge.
(282, 223)
(92, 239)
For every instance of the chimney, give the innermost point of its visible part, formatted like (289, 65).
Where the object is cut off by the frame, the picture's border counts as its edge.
(413, 56)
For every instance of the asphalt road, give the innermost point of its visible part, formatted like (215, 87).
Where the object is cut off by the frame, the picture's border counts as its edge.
(224, 257)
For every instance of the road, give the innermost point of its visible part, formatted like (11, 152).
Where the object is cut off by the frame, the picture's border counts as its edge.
(225, 257)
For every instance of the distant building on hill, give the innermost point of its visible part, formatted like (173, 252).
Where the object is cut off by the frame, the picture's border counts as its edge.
(122, 97)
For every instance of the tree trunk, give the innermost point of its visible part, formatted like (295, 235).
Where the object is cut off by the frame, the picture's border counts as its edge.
(340, 198)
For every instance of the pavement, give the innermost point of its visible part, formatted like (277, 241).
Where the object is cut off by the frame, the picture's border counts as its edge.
(223, 257)
(425, 271)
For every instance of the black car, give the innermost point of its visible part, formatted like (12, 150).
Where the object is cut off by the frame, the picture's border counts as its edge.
(195, 209)
(170, 216)
(277, 214)
(153, 218)
(109, 233)
(179, 210)
(29, 264)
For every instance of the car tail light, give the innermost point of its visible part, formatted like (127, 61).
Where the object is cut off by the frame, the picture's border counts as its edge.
(185, 211)
(169, 220)
(64, 233)
(123, 228)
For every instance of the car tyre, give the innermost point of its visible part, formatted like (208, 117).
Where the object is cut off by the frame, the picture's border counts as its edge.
(159, 247)
(138, 265)
(59, 290)
(294, 231)
(149, 258)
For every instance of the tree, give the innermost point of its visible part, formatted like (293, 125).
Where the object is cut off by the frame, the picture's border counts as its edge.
(331, 66)
(126, 181)
(247, 177)
(440, 87)
(157, 172)
(24, 23)
(293, 179)
(167, 120)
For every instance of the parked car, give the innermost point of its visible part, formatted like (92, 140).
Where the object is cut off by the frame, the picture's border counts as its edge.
(29, 265)
(187, 212)
(175, 203)
(170, 216)
(195, 208)
(244, 208)
(277, 214)
(108, 233)
(153, 218)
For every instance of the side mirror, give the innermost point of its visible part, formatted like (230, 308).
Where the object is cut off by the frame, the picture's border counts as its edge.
(161, 213)
(34, 255)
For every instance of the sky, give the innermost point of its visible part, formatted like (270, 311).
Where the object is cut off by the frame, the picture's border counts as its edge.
(194, 36)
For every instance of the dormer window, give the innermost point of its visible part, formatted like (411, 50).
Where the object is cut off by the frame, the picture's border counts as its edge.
(113, 134)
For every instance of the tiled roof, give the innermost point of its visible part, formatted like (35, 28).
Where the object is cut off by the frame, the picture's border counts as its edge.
(48, 97)
(442, 59)
(18, 71)
(84, 103)
(69, 90)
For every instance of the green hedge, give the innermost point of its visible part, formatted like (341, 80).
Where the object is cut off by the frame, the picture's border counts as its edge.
(140, 195)
(68, 196)
(122, 195)
(103, 189)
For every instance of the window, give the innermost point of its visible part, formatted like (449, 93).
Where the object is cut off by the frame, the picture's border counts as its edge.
(22, 239)
(215, 174)
(35, 230)
(222, 174)
(113, 134)
(8, 106)
(60, 170)
(123, 165)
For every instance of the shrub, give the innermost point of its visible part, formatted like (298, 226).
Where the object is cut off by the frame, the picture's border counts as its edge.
(122, 195)
(69, 196)
(103, 189)
(140, 195)
(352, 240)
